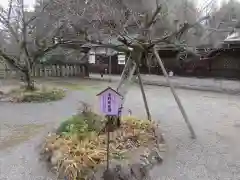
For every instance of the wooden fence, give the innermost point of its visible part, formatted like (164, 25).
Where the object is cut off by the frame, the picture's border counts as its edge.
(47, 71)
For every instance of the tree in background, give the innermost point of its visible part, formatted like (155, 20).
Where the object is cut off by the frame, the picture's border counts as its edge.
(222, 22)
(28, 36)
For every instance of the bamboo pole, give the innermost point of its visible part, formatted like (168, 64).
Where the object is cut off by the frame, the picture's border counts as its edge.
(193, 135)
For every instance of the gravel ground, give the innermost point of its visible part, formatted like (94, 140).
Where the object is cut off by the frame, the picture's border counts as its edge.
(213, 155)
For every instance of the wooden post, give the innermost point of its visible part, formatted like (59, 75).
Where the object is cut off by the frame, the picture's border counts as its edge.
(143, 95)
(60, 70)
(110, 68)
(71, 70)
(56, 70)
(52, 70)
(48, 71)
(65, 71)
(38, 71)
(108, 141)
(193, 135)
(83, 71)
(44, 71)
(78, 70)
(74, 70)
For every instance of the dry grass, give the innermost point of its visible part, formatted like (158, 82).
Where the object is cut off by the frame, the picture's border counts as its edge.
(40, 94)
(76, 159)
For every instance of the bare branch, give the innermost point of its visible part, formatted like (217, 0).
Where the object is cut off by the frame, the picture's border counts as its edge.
(153, 19)
(41, 53)
(178, 34)
(9, 9)
(7, 24)
(35, 16)
(11, 61)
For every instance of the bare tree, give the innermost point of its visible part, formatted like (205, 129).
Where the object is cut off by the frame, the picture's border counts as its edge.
(29, 36)
(135, 30)
(222, 22)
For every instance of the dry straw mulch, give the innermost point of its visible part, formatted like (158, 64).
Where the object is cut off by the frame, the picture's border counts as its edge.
(77, 158)
(39, 95)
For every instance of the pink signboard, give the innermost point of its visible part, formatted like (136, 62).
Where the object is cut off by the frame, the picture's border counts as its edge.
(109, 101)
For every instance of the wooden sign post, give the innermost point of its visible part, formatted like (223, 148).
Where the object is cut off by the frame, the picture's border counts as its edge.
(109, 102)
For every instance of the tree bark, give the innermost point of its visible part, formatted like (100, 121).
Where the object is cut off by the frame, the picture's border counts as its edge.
(28, 80)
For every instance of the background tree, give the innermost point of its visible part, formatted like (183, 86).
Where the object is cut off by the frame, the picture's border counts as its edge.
(28, 36)
(222, 22)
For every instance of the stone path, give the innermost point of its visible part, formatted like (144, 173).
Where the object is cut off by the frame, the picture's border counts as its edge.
(213, 155)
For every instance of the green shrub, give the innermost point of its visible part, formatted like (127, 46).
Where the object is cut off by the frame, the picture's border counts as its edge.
(81, 125)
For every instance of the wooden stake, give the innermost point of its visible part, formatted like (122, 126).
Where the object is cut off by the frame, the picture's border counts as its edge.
(193, 135)
(143, 95)
(108, 140)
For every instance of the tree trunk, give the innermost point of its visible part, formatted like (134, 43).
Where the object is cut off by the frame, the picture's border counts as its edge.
(28, 80)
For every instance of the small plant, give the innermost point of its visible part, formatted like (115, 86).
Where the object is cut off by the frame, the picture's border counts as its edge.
(82, 124)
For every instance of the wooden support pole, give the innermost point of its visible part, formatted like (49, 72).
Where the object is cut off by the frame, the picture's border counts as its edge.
(126, 68)
(108, 140)
(193, 135)
(143, 95)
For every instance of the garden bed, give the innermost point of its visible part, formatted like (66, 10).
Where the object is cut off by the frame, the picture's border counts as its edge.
(38, 95)
(78, 149)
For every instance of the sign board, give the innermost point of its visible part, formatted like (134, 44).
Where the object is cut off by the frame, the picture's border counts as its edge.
(109, 101)
(121, 58)
(92, 57)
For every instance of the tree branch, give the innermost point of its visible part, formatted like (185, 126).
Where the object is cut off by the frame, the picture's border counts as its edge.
(41, 53)
(9, 9)
(11, 61)
(152, 20)
(178, 34)
(42, 10)
(24, 34)
(6, 23)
